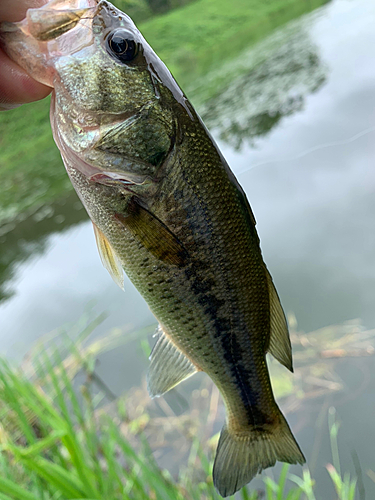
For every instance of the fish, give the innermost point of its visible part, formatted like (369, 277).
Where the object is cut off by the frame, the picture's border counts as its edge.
(167, 210)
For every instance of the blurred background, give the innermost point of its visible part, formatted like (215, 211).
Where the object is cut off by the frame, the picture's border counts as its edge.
(287, 88)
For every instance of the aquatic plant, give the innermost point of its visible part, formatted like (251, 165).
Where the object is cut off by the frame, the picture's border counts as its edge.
(58, 440)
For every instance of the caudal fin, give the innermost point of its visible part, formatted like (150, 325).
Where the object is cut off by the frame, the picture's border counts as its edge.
(240, 457)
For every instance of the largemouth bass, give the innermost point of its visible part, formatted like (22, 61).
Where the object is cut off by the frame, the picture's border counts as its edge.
(167, 209)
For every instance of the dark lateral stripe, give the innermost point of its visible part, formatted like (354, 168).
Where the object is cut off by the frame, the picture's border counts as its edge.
(243, 375)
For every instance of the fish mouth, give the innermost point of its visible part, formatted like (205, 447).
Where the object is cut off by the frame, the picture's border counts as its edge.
(57, 28)
(84, 161)
(93, 173)
(46, 25)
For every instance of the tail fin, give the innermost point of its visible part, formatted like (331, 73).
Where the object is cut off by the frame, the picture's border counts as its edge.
(240, 457)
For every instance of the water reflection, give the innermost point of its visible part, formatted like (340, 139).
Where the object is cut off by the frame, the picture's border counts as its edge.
(274, 84)
(25, 238)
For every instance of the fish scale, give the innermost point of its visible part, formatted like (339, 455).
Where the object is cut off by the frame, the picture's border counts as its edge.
(225, 275)
(167, 209)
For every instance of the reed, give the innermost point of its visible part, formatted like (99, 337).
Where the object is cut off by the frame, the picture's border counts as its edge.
(58, 441)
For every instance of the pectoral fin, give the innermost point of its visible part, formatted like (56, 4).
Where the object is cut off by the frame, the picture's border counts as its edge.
(168, 366)
(153, 234)
(109, 258)
(279, 345)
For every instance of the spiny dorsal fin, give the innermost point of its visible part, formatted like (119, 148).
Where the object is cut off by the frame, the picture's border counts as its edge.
(279, 346)
(168, 366)
(153, 234)
(109, 258)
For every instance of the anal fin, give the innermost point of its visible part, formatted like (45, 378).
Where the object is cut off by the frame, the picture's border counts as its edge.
(109, 258)
(279, 346)
(168, 366)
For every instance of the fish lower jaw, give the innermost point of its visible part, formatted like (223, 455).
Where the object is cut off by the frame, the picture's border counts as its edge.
(73, 161)
(96, 174)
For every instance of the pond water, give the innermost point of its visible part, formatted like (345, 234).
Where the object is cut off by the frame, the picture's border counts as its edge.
(296, 122)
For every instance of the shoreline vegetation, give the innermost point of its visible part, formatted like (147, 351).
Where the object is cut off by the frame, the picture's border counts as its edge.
(193, 39)
(65, 436)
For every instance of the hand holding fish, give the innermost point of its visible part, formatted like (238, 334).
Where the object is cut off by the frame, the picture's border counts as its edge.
(16, 86)
(167, 209)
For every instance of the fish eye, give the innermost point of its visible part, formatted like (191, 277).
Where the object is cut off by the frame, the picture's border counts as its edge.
(121, 45)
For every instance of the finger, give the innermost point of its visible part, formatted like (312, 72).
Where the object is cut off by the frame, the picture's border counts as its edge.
(15, 10)
(16, 86)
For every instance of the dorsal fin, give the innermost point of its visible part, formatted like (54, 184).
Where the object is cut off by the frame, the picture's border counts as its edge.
(109, 258)
(168, 366)
(279, 346)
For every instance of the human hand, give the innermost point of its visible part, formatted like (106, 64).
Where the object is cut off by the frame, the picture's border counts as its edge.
(16, 86)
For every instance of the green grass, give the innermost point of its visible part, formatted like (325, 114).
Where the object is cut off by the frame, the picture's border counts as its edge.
(191, 40)
(31, 170)
(206, 33)
(58, 442)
